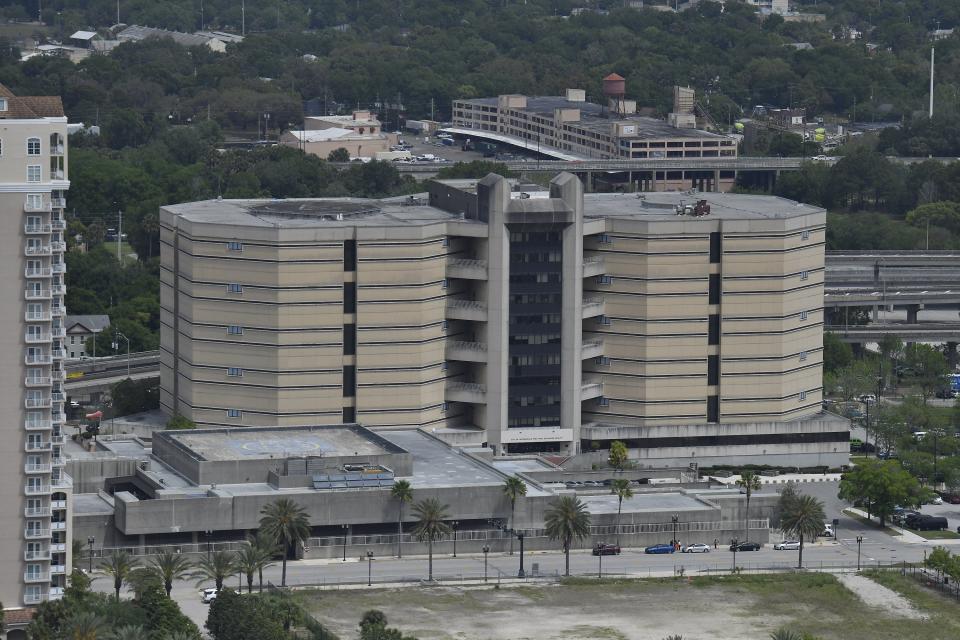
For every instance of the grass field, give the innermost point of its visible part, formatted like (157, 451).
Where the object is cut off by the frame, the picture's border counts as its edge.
(936, 535)
(129, 255)
(742, 607)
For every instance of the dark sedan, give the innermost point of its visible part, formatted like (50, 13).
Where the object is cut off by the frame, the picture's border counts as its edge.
(746, 546)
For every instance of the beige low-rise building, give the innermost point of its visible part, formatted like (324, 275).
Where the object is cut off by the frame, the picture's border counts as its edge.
(360, 133)
(35, 492)
(687, 325)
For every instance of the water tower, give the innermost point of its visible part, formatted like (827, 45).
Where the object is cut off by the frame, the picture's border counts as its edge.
(614, 90)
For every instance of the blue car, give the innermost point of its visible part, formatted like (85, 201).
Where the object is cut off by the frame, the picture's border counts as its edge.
(660, 548)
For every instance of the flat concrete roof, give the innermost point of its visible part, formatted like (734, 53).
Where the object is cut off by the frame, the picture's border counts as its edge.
(88, 504)
(520, 466)
(310, 213)
(277, 442)
(661, 206)
(644, 502)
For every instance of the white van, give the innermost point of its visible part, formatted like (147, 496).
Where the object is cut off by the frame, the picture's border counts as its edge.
(827, 531)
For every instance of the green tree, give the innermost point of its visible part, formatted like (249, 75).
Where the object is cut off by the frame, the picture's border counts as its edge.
(620, 487)
(748, 483)
(891, 350)
(250, 560)
(140, 579)
(836, 354)
(402, 492)
(338, 155)
(287, 524)
(430, 526)
(785, 634)
(855, 380)
(788, 494)
(881, 485)
(128, 632)
(803, 519)
(474, 169)
(118, 565)
(513, 488)
(164, 618)
(928, 368)
(618, 455)
(233, 617)
(217, 567)
(169, 567)
(942, 215)
(85, 625)
(566, 520)
(268, 548)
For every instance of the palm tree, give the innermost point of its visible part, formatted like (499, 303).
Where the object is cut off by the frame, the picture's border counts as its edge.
(566, 520)
(142, 579)
(169, 567)
(84, 625)
(268, 549)
(785, 634)
(118, 566)
(128, 632)
(403, 492)
(431, 514)
(251, 559)
(217, 567)
(749, 482)
(620, 488)
(803, 517)
(513, 488)
(286, 523)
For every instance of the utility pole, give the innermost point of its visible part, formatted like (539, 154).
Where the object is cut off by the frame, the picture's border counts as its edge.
(201, 18)
(119, 234)
(431, 109)
(243, 17)
(118, 11)
(932, 49)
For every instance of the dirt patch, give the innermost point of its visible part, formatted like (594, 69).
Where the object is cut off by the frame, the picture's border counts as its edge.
(877, 595)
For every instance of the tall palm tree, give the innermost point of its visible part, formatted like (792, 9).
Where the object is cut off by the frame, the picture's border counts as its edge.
(251, 559)
(84, 625)
(803, 518)
(142, 579)
(403, 492)
(218, 567)
(785, 634)
(118, 565)
(620, 488)
(287, 524)
(430, 526)
(513, 488)
(267, 548)
(566, 520)
(749, 482)
(169, 567)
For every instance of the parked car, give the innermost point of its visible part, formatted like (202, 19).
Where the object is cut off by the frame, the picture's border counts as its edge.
(606, 549)
(660, 548)
(208, 595)
(698, 547)
(935, 499)
(787, 545)
(927, 523)
(827, 530)
(746, 546)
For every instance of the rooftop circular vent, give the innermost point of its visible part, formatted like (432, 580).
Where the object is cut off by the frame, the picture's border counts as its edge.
(331, 210)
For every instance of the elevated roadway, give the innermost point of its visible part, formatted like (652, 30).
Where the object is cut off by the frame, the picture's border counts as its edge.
(96, 376)
(920, 332)
(892, 278)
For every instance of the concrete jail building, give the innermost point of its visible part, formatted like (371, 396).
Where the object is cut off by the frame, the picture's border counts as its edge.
(688, 325)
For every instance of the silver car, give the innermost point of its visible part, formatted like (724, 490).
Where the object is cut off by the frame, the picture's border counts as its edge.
(696, 548)
(787, 545)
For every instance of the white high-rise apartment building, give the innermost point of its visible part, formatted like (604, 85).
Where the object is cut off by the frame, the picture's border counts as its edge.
(34, 490)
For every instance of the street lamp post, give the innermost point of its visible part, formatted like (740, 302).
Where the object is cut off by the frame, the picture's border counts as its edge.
(116, 345)
(453, 525)
(859, 542)
(600, 560)
(521, 573)
(345, 528)
(369, 567)
(90, 542)
(735, 543)
(675, 518)
(486, 550)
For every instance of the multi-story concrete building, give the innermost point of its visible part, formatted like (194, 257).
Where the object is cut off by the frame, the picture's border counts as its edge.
(570, 127)
(34, 490)
(528, 321)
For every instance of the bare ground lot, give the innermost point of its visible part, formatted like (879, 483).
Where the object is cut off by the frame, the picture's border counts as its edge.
(717, 608)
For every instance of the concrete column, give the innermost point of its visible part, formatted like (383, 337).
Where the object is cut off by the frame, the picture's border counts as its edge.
(493, 200)
(716, 180)
(912, 311)
(876, 313)
(142, 541)
(588, 184)
(568, 189)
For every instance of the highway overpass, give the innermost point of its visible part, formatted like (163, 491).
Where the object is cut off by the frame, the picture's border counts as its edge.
(921, 332)
(90, 377)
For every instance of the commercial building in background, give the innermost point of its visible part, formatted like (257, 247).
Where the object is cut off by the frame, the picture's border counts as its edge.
(360, 133)
(34, 490)
(569, 127)
(687, 325)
